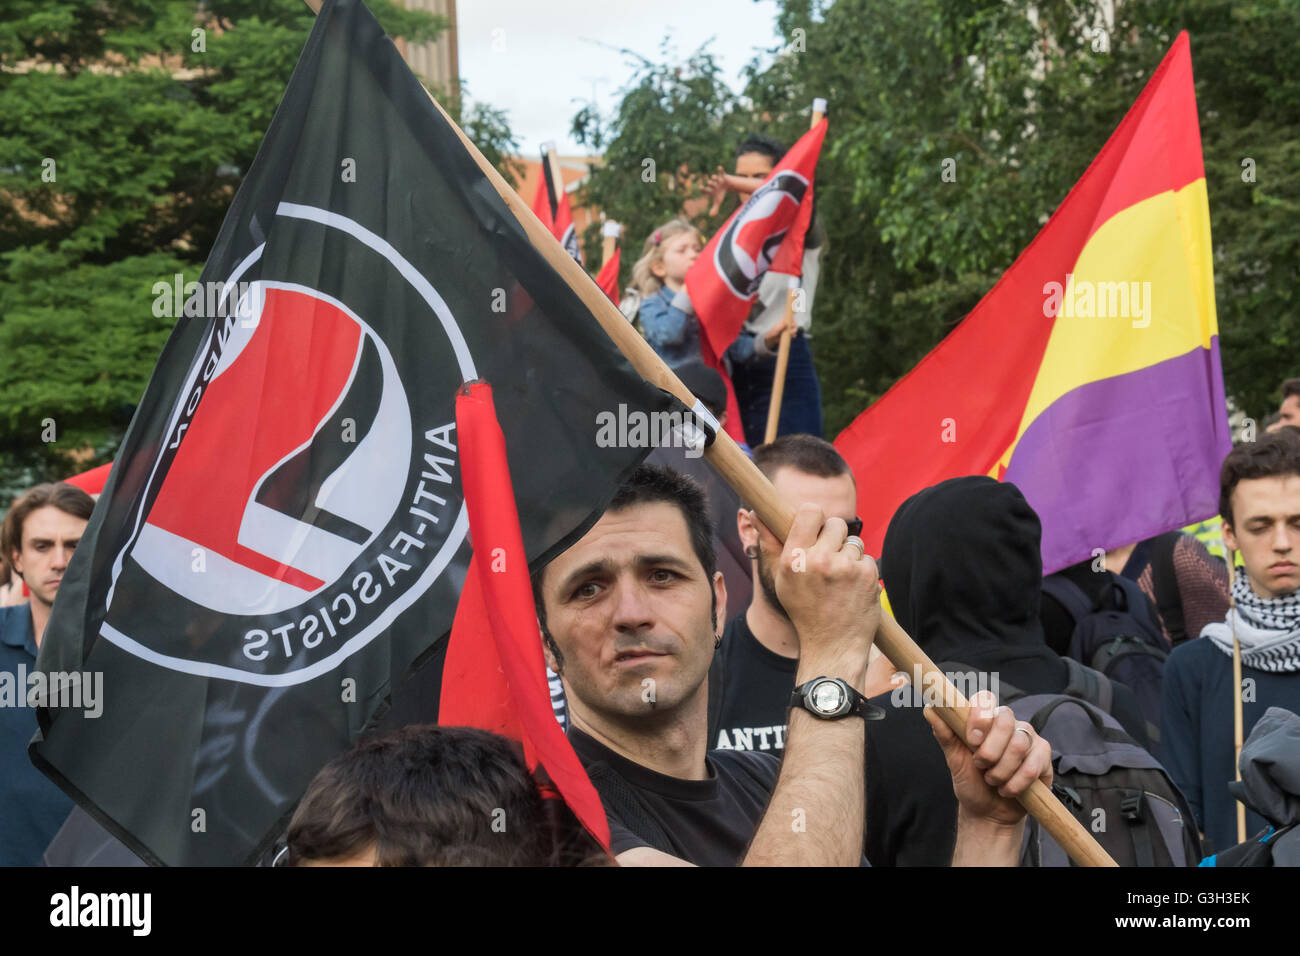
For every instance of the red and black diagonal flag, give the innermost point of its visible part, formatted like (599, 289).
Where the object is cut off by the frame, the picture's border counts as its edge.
(284, 535)
(551, 204)
(724, 280)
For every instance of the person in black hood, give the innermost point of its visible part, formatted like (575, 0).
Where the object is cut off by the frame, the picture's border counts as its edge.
(964, 574)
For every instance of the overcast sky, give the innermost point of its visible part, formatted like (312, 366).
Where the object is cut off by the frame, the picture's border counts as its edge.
(550, 56)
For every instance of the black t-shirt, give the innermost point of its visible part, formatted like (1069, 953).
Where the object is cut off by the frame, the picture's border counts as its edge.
(753, 685)
(706, 822)
(911, 808)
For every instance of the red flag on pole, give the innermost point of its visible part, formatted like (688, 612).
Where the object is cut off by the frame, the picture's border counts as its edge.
(607, 278)
(91, 482)
(789, 258)
(724, 280)
(551, 203)
(494, 676)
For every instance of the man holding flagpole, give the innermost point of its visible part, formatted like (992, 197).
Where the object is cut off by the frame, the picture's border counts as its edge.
(632, 615)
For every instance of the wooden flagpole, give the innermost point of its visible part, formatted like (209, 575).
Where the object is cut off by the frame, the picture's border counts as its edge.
(753, 486)
(782, 363)
(1236, 685)
(787, 326)
(557, 177)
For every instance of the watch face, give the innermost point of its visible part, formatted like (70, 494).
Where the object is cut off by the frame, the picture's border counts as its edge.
(827, 697)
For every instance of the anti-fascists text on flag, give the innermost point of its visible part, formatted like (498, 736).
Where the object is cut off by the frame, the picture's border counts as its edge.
(284, 534)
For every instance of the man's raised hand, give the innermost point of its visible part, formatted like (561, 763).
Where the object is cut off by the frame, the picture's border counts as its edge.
(831, 591)
(1007, 759)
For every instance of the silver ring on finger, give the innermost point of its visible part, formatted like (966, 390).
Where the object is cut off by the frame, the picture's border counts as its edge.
(1027, 732)
(858, 543)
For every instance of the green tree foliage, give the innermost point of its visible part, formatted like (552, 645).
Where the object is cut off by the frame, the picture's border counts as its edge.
(674, 120)
(125, 129)
(1019, 100)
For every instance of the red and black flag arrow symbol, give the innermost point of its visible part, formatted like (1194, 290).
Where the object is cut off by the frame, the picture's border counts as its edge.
(724, 280)
(283, 538)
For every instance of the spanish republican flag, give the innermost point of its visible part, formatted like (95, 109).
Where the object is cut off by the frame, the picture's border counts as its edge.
(1089, 375)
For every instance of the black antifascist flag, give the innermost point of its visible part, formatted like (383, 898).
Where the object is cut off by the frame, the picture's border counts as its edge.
(283, 536)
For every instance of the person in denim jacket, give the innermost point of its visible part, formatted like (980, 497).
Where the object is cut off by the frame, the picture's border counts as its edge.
(667, 317)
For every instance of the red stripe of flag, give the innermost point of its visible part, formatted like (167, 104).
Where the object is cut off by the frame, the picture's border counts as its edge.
(607, 278)
(494, 676)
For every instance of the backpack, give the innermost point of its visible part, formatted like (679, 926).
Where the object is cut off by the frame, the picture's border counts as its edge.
(1112, 785)
(1145, 819)
(1118, 636)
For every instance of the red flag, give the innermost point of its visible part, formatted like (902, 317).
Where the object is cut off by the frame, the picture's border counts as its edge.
(551, 205)
(724, 279)
(789, 258)
(607, 278)
(91, 482)
(733, 426)
(494, 676)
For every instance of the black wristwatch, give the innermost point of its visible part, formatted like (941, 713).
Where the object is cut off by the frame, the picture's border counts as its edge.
(830, 698)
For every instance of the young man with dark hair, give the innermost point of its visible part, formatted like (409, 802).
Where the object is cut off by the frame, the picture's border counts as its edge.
(434, 796)
(1259, 500)
(630, 620)
(753, 355)
(38, 536)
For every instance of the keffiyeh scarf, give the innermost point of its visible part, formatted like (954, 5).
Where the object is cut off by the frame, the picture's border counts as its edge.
(1267, 628)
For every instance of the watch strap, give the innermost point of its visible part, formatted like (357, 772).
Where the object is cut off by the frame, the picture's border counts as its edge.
(859, 706)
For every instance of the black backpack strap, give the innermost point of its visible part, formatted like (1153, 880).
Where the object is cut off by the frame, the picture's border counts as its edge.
(1108, 734)
(1124, 594)
(1088, 684)
(1069, 595)
(1132, 806)
(1169, 600)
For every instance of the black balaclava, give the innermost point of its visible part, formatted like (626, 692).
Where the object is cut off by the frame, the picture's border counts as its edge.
(962, 568)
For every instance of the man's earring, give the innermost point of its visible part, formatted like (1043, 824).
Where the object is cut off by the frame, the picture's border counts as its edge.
(717, 641)
(751, 551)
(555, 651)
